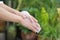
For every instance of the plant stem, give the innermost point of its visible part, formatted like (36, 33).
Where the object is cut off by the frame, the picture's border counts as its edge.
(19, 4)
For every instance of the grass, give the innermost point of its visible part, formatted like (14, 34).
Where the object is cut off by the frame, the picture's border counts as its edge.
(58, 9)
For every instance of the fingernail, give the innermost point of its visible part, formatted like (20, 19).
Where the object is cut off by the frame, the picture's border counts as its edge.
(39, 30)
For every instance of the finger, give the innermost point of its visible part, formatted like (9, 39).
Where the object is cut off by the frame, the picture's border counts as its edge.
(38, 27)
(31, 20)
(26, 23)
(35, 25)
(31, 26)
(34, 19)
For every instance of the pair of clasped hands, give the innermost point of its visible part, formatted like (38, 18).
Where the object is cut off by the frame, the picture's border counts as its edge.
(23, 17)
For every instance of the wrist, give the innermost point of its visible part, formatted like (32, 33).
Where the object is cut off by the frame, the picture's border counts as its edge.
(19, 20)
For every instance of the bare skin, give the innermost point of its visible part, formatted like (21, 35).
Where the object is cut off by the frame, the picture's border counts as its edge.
(24, 18)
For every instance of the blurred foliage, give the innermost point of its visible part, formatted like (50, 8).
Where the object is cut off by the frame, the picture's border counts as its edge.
(11, 32)
(58, 3)
(45, 11)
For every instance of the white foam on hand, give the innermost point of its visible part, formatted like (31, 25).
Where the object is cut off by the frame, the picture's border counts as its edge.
(1, 1)
(25, 13)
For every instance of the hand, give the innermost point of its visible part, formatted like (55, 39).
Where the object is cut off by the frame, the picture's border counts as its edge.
(30, 22)
(25, 14)
(35, 27)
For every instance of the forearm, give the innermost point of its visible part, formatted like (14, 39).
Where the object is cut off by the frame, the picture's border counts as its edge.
(22, 14)
(9, 9)
(7, 16)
